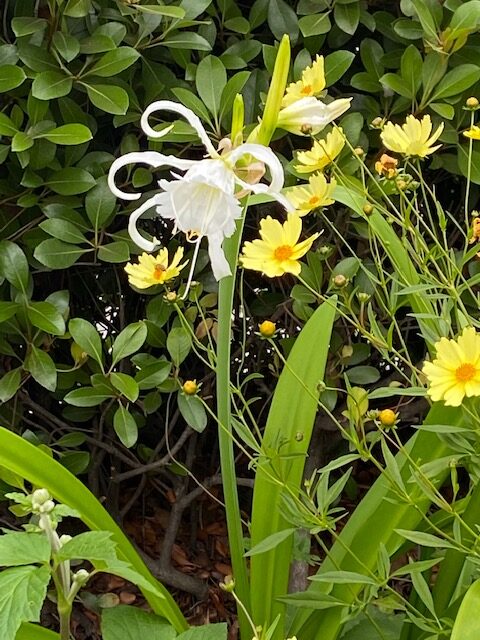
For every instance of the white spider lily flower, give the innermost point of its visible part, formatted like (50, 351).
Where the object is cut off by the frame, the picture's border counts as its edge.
(309, 116)
(203, 201)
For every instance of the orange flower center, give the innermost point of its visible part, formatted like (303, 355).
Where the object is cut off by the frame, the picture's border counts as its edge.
(313, 200)
(283, 253)
(465, 372)
(159, 271)
(307, 90)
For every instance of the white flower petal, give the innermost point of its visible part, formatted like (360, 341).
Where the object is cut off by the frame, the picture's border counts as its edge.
(139, 240)
(192, 119)
(152, 158)
(220, 266)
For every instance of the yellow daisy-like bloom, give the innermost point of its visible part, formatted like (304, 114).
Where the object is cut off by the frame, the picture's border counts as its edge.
(322, 153)
(473, 132)
(311, 84)
(317, 193)
(412, 138)
(152, 270)
(455, 372)
(277, 251)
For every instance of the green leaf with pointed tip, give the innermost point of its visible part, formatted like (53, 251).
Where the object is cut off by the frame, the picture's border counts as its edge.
(125, 426)
(42, 368)
(68, 134)
(66, 45)
(46, 317)
(63, 230)
(70, 181)
(87, 337)
(108, 98)
(56, 254)
(127, 386)
(90, 545)
(22, 592)
(114, 62)
(193, 411)
(210, 80)
(21, 141)
(186, 40)
(87, 397)
(7, 126)
(129, 340)
(14, 265)
(100, 204)
(9, 384)
(114, 252)
(7, 310)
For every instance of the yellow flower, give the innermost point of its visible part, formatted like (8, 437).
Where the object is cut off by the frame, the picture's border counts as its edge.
(311, 84)
(317, 193)
(152, 270)
(455, 372)
(412, 138)
(267, 329)
(322, 153)
(278, 251)
(473, 132)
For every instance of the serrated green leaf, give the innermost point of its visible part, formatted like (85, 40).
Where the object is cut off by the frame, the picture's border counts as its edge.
(20, 547)
(90, 545)
(131, 623)
(22, 592)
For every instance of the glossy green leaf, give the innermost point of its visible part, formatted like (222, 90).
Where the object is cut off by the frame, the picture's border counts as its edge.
(66, 45)
(179, 343)
(42, 368)
(347, 16)
(77, 8)
(46, 317)
(114, 62)
(467, 622)
(125, 427)
(90, 545)
(7, 309)
(9, 384)
(70, 181)
(126, 385)
(100, 204)
(315, 25)
(193, 411)
(282, 20)
(151, 375)
(14, 265)
(186, 40)
(336, 64)
(456, 81)
(128, 341)
(30, 631)
(108, 98)
(63, 230)
(51, 84)
(7, 126)
(210, 81)
(21, 141)
(163, 10)
(11, 77)
(115, 252)
(26, 25)
(87, 397)
(56, 254)
(68, 134)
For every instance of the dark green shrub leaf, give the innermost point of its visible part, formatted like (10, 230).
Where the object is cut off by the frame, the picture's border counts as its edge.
(75, 461)
(363, 375)
(87, 397)
(25, 26)
(336, 64)
(234, 85)
(70, 181)
(396, 84)
(56, 254)
(63, 230)
(46, 317)
(456, 81)
(151, 375)
(36, 58)
(210, 81)
(11, 77)
(282, 19)
(100, 203)
(126, 385)
(186, 40)
(42, 368)
(128, 341)
(86, 336)
(193, 411)
(14, 265)
(315, 25)
(66, 45)
(7, 127)
(21, 142)
(7, 310)
(116, 252)
(51, 84)
(110, 99)
(179, 343)
(114, 62)
(347, 16)
(9, 384)
(77, 8)
(68, 134)
(97, 43)
(125, 427)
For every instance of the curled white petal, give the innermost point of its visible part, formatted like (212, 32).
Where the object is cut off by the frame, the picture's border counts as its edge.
(192, 119)
(265, 155)
(152, 158)
(139, 240)
(220, 266)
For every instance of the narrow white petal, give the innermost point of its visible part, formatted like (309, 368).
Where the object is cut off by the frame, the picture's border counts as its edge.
(265, 155)
(220, 266)
(192, 119)
(152, 158)
(139, 240)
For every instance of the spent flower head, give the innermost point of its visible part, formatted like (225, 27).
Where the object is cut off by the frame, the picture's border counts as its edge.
(455, 372)
(413, 138)
(152, 270)
(278, 250)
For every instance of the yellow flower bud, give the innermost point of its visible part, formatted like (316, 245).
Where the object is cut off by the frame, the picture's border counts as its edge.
(472, 102)
(340, 281)
(190, 387)
(387, 417)
(358, 151)
(267, 329)
(367, 209)
(377, 122)
(171, 296)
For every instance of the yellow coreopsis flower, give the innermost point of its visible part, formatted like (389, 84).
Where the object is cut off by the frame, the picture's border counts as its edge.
(152, 270)
(277, 251)
(322, 153)
(473, 132)
(455, 372)
(317, 193)
(311, 84)
(413, 138)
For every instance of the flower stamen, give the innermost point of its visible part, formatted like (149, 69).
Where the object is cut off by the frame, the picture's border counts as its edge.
(465, 372)
(283, 253)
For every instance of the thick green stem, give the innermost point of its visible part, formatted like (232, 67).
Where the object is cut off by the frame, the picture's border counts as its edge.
(64, 613)
(227, 456)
